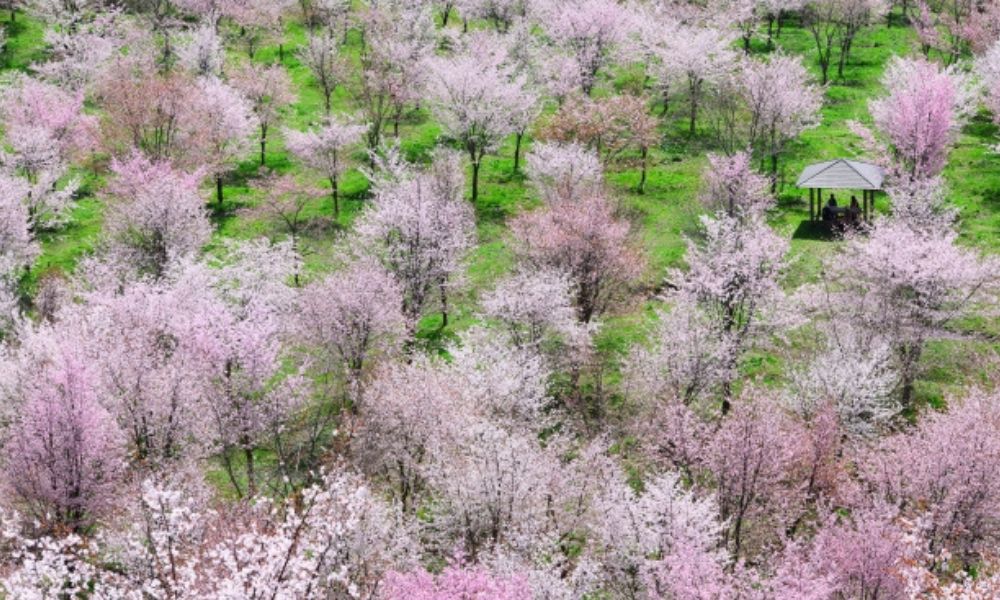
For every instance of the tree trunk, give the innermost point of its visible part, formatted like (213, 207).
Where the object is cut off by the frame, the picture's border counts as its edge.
(445, 15)
(335, 192)
(774, 173)
(218, 192)
(642, 178)
(444, 305)
(281, 52)
(251, 477)
(694, 115)
(475, 180)
(263, 145)
(517, 151)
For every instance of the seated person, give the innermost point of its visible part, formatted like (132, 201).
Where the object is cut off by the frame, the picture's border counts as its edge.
(854, 211)
(830, 210)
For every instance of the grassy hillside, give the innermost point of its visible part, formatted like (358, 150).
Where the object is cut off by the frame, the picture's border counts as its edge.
(662, 215)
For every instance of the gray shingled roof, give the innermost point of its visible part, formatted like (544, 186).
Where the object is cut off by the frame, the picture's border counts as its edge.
(841, 174)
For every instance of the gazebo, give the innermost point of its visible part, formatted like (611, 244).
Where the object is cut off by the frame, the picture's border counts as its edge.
(841, 174)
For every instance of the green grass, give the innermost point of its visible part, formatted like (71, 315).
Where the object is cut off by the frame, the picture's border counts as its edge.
(662, 216)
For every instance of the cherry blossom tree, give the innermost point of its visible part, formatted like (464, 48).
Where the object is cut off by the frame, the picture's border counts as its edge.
(44, 125)
(782, 104)
(226, 124)
(921, 115)
(320, 55)
(65, 459)
(474, 97)
(862, 388)
(732, 187)
(18, 248)
(420, 228)
(911, 283)
(941, 468)
(354, 317)
(203, 53)
(148, 111)
(582, 238)
(687, 359)
(699, 56)
(286, 200)
(564, 171)
(749, 457)
(535, 305)
(455, 583)
(406, 412)
(327, 150)
(147, 345)
(269, 90)
(588, 30)
(156, 216)
(733, 274)
(399, 37)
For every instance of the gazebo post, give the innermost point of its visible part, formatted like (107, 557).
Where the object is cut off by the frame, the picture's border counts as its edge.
(811, 201)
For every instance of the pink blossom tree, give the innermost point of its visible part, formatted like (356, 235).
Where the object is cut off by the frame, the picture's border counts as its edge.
(400, 37)
(286, 200)
(749, 457)
(536, 306)
(44, 125)
(456, 582)
(564, 171)
(865, 555)
(911, 284)
(583, 238)
(420, 228)
(941, 471)
(327, 150)
(698, 56)
(686, 360)
(226, 125)
(407, 411)
(65, 459)
(733, 275)
(921, 115)
(156, 215)
(18, 248)
(321, 56)
(732, 187)
(474, 98)
(588, 30)
(147, 345)
(353, 317)
(782, 104)
(269, 90)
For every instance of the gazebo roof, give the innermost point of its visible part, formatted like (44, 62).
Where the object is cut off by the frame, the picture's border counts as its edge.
(842, 174)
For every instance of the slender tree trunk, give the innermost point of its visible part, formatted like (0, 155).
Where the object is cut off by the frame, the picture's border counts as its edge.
(444, 305)
(642, 178)
(774, 173)
(335, 192)
(281, 52)
(251, 476)
(263, 145)
(475, 180)
(445, 15)
(218, 191)
(517, 150)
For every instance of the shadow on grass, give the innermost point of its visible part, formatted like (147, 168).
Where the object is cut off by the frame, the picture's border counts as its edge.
(816, 231)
